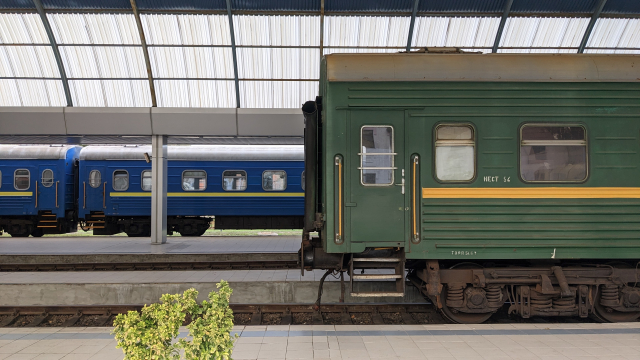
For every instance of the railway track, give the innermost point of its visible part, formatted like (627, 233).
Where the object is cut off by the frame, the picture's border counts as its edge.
(257, 314)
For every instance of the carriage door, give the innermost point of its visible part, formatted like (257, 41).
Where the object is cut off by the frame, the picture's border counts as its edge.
(93, 188)
(47, 188)
(375, 198)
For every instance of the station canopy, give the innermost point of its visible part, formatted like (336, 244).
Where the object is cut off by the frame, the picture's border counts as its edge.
(264, 53)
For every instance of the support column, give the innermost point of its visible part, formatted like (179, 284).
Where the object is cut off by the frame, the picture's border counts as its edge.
(158, 189)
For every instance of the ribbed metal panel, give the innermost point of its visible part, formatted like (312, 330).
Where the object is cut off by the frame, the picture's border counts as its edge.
(186, 29)
(86, 4)
(17, 4)
(543, 32)
(464, 6)
(628, 7)
(371, 6)
(277, 30)
(94, 28)
(182, 5)
(366, 31)
(278, 63)
(31, 93)
(612, 33)
(277, 5)
(276, 94)
(22, 29)
(195, 93)
(28, 61)
(103, 62)
(553, 6)
(455, 31)
(110, 93)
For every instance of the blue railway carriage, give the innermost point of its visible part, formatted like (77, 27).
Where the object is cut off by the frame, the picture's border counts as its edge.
(37, 189)
(243, 187)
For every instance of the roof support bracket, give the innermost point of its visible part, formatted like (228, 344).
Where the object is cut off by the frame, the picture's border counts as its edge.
(145, 51)
(503, 22)
(56, 51)
(592, 23)
(234, 53)
(412, 24)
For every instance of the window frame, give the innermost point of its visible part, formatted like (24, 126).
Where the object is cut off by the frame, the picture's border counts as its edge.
(286, 180)
(28, 176)
(302, 179)
(142, 180)
(206, 180)
(554, 124)
(113, 180)
(246, 178)
(475, 151)
(100, 182)
(393, 154)
(42, 178)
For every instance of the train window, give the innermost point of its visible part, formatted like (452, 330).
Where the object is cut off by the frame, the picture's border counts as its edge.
(302, 179)
(21, 179)
(377, 155)
(234, 180)
(120, 180)
(47, 178)
(95, 178)
(194, 180)
(274, 180)
(455, 153)
(145, 180)
(553, 153)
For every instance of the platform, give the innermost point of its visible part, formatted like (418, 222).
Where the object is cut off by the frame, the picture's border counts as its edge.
(444, 342)
(71, 288)
(120, 249)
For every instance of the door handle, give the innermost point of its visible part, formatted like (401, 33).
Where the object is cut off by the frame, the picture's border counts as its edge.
(401, 184)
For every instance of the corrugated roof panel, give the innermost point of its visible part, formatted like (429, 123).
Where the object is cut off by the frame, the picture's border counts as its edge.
(103, 62)
(94, 28)
(17, 4)
(630, 37)
(276, 94)
(182, 5)
(29, 61)
(622, 7)
(384, 6)
(470, 6)
(366, 30)
(278, 63)
(277, 30)
(110, 93)
(553, 6)
(191, 62)
(163, 29)
(22, 29)
(455, 31)
(277, 5)
(543, 32)
(328, 51)
(607, 33)
(195, 93)
(87, 4)
(31, 93)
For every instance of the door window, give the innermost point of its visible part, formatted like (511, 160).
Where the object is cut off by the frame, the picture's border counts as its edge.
(145, 181)
(194, 180)
(47, 178)
(377, 156)
(553, 153)
(120, 180)
(95, 178)
(274, 180)
(21, 178)
(234, 180)
(455, 153)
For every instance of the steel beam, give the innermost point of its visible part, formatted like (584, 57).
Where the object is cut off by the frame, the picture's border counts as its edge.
(145, 51)
(592, 23)
(56, 51)
(158, 189)
(503, 22)
(234, 53)
(413, 22)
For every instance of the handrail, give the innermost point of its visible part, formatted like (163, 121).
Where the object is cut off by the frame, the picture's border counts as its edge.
(339, 233)
(104, 195)
(84, 194)
(36, 194)
(57, 193)
(414, 193)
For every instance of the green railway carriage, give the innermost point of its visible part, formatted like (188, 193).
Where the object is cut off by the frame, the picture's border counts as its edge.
(493, 178)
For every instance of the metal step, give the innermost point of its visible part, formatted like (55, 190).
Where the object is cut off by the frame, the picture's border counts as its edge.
(376, 294)
(376, 276)
(47, 226)
(376, 259)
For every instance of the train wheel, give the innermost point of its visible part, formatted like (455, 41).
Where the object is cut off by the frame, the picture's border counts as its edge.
(605, 314)
(37, 233)
(460, 317)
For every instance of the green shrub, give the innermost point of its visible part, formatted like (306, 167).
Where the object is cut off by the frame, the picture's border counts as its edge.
(151, 334)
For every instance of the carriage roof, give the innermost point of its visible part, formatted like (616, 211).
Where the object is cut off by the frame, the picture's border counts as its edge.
(199, 153)
(34, 152)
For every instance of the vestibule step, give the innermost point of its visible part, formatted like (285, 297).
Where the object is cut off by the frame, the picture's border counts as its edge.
(377, 259)
(376, 276)
(376, 294)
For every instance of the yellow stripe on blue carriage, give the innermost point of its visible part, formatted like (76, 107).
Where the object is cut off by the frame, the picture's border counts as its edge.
(16, 193)
(211, 194)
(533, 193)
